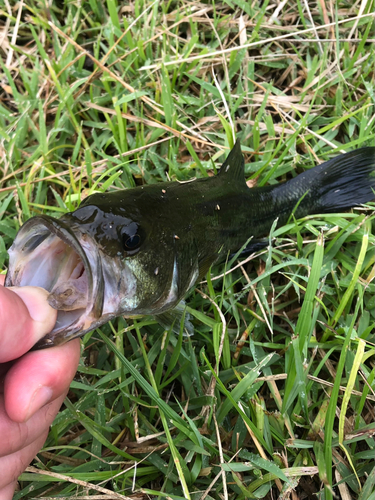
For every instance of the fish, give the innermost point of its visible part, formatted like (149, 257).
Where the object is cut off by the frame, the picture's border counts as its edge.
(139, 251)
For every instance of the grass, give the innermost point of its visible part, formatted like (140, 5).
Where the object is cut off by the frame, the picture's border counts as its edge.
(273, 395)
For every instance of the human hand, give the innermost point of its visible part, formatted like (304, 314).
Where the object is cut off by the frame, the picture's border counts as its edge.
(33, 385)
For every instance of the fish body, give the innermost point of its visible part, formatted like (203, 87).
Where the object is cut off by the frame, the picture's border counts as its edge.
(138, 251)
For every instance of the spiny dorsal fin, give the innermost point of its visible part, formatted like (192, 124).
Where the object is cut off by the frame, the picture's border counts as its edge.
(233, 167)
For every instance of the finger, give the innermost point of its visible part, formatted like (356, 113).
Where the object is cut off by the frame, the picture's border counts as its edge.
(2, 279)
(13, 465)
(38, 378)
(25, 317)
(17, 436)
(8, 490)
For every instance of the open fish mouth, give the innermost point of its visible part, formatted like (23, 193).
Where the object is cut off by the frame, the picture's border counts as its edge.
(48, 253)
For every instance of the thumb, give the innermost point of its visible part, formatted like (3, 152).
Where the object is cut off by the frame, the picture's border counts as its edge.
(25, 317)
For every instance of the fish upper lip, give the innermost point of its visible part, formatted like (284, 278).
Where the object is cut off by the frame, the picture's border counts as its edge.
(83, 245)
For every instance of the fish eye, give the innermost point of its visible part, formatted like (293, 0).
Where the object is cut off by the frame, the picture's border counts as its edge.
(131, 238)
(131, 242)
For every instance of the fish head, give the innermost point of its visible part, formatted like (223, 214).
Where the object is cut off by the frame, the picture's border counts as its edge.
(112, 256)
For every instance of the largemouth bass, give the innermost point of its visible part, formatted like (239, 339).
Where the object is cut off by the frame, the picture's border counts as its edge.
(139, 251)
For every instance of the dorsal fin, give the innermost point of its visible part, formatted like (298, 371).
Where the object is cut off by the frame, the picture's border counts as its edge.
(233, 167)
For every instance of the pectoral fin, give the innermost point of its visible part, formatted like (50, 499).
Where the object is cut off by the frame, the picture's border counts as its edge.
(173, 318)
(253, 246)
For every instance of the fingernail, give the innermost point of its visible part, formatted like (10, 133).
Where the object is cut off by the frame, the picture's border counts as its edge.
(41, 397)
(40, 311)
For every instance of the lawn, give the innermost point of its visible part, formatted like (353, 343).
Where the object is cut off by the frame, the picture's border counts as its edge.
(273, 395)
